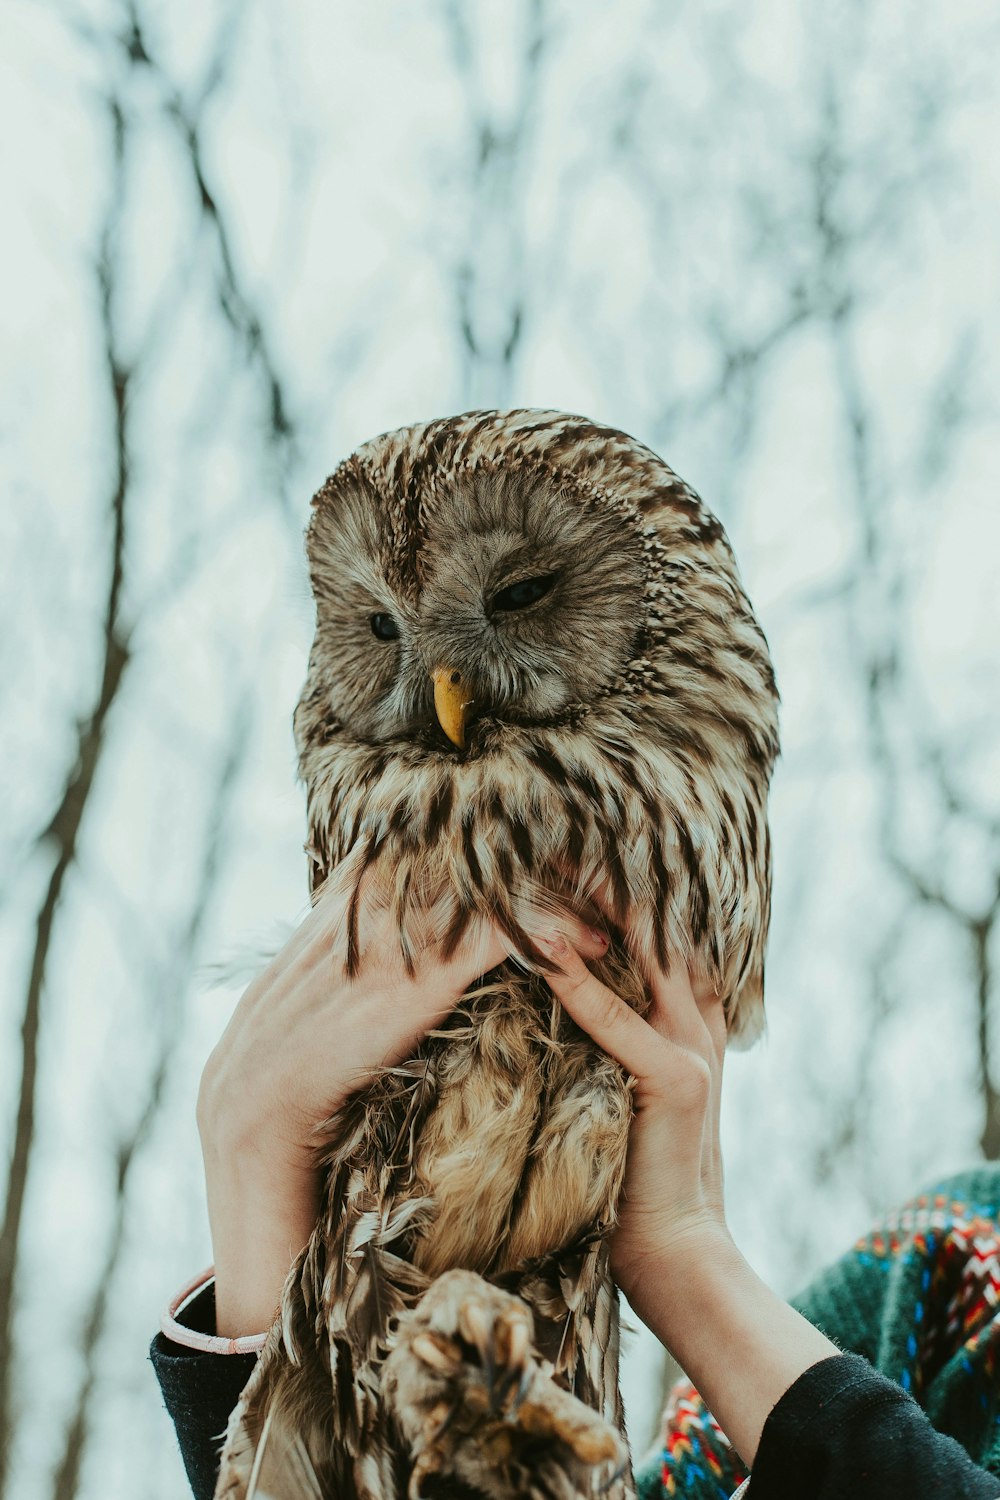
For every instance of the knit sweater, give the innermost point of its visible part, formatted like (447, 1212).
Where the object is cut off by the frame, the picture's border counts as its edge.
(912, 1408)
(916, 1301)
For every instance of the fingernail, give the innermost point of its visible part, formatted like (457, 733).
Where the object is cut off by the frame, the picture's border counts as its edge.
(599, 936)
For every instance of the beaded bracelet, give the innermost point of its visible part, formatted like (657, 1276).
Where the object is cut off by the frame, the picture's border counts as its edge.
(208, 1343)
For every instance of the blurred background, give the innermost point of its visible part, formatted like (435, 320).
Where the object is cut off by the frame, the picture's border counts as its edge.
(239, 239)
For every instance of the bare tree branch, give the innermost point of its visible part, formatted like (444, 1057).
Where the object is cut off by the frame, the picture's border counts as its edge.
(63, 829)
(492, 288)
(236, 305)
(876, 620)
(171, 983)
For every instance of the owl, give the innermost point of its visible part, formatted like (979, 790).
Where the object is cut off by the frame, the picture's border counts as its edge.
(536, 678)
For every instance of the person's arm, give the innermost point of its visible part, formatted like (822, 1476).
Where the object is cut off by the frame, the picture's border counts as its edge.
(735, 1339)
(301, 1039)
(807, 1418)
(199, 1389)
(844, 1429)
(672, 1253)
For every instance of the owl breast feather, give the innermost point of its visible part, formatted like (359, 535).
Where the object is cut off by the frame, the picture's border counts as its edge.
(668, 840)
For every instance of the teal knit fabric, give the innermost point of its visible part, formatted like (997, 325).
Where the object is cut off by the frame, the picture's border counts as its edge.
(919, 1297)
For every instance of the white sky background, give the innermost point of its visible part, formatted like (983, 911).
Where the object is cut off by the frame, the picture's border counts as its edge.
(765, 245)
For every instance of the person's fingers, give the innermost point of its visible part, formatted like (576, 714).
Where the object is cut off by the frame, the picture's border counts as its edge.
(714, 1014)
(674, 1012)
(481, 948)
(651, 1058)
(688, 1011)
(484, 945)
(427, 991)
(591, 942)
(713, 1020)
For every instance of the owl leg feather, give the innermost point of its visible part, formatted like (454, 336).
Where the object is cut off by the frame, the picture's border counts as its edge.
(477, 1403)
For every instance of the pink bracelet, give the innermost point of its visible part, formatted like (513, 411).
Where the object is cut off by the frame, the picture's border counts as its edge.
(208, 1343)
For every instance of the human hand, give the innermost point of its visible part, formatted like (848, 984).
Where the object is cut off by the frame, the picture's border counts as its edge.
(302, 1038)
(671, 1251)
(671, 1206)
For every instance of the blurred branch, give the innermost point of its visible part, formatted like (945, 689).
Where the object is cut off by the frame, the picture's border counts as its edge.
(185, 116)
(876, 614)
(236, 304)
(884, 663)
(491, 285)
(63, 829)
(741, 363)
(171, 982)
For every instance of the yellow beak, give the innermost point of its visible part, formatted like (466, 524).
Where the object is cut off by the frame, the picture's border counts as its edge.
(452, 701)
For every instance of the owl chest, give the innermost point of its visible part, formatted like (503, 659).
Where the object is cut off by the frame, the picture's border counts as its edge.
(524, 1149)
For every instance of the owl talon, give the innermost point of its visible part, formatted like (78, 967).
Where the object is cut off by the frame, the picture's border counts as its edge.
(479, 1331)
(433, 1353)
(511, 1429)
(443, 1426)
(523, 1386)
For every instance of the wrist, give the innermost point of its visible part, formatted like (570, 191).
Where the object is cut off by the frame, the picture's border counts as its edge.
(736, 1340)
(183, 1322)
(685, 1262)
(237, 1118)
(261, 1210)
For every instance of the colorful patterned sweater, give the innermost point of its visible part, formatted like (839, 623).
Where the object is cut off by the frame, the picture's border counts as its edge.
(911, 1409)
(918, 1299)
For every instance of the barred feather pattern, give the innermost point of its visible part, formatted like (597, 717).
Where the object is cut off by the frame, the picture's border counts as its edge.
(637, 787)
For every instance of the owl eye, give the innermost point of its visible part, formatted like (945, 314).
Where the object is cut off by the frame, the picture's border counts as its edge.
(520, 595)
(385, 627)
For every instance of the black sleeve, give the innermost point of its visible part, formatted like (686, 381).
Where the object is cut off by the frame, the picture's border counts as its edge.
(199, 1391)
(842, 1429)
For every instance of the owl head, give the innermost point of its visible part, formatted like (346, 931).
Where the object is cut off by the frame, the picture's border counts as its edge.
(529, 629)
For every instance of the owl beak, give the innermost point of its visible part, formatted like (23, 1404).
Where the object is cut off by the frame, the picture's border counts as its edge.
(452, 701)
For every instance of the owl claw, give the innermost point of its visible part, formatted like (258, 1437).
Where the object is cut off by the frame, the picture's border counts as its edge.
(510, 1429)
(479, 1331)
(443, 1426)
(524, 1385)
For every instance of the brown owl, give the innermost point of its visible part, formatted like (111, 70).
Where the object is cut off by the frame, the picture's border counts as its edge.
(535, 677)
